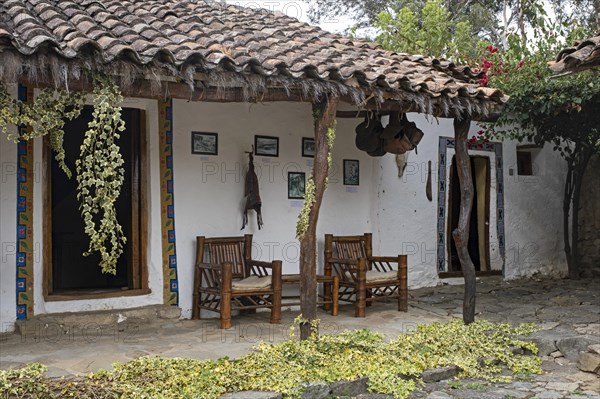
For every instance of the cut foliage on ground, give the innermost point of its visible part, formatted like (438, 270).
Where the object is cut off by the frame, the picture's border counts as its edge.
(481, 350)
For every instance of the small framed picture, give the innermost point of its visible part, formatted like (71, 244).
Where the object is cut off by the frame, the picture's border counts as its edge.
(308, 147)
(267, 146)
(205, 143)
(351, 172)
(296, 185)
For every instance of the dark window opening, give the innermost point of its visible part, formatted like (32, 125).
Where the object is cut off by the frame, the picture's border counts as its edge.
(70, 270)
(524, 163)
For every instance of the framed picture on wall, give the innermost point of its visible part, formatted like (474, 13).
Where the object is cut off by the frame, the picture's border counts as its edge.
(296, 185)
(205, 143)
(351, 172)
(308, 147)
(267, 146)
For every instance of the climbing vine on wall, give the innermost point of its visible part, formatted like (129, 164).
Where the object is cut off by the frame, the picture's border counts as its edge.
(100, 172)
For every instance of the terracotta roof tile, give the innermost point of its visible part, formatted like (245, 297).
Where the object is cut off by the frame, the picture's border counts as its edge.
(583, 55)
(209, 37)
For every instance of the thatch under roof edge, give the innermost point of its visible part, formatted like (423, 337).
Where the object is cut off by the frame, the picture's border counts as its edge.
(45, 70)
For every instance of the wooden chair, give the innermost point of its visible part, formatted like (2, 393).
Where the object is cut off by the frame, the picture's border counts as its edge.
(365, 278)
(226, 279)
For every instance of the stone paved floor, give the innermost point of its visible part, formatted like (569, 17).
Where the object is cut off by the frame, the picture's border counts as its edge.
(568, 312)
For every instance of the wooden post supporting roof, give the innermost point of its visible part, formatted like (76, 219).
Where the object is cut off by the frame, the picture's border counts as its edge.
(461, 233)
(324, 119)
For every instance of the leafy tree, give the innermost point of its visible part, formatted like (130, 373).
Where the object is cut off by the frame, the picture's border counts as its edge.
(562, 111)
(429, 31)
(582, 13)
(491, 20)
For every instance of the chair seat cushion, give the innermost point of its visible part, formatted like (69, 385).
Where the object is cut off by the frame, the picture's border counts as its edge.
(375, 276)
(252, 283)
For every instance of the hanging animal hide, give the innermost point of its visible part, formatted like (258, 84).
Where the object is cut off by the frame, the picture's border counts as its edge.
(251, 193)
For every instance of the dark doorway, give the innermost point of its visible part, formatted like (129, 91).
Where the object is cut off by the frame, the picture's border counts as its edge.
(70, 270)
(478, 244)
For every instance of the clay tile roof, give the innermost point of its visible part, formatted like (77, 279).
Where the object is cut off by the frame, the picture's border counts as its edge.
(174, 35)
(583, 55)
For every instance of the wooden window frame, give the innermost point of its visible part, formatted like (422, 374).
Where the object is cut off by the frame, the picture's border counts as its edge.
(138, 273)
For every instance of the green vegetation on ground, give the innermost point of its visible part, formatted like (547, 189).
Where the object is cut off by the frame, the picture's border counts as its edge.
(481, 350)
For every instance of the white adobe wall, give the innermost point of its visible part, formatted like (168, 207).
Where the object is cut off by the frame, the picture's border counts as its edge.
(209, 189)
(209, 192)
(8, 229)
(405, 221)
(534, 226)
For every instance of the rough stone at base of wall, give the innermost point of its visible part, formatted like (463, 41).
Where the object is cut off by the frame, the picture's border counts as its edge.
(69, 323)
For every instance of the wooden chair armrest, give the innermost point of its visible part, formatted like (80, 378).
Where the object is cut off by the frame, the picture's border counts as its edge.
(260, 268)
(259, 263)
(343, 261)
(209, 266)
(215, 276)
(349, 270)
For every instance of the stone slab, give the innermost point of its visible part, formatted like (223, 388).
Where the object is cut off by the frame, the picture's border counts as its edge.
(439, 374)
(571, 346)
(350, 388)
(589, 362)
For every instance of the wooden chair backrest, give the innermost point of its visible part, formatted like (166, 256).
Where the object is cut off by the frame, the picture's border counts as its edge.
(349, 247)
(217, 250)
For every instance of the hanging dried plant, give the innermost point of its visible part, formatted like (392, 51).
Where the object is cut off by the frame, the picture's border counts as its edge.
(100, 176)
(100, 172)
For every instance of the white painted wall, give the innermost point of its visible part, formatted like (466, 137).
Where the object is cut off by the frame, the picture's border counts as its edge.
(209, 190)
(534, 214)
(8, 229)
(405, 221)
(209, 200)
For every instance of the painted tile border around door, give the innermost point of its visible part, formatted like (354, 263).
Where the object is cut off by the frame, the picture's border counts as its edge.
(167, 203)
(25, 246)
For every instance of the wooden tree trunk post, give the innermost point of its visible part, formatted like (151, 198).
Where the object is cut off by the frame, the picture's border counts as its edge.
(568, 195)
(324, 119)
(461, 233)
(578, 174)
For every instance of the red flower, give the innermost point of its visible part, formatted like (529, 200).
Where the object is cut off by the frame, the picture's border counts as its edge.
(520, 65)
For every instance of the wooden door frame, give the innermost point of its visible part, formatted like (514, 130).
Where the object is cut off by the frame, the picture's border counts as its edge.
(138, 274)
(488, 181)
